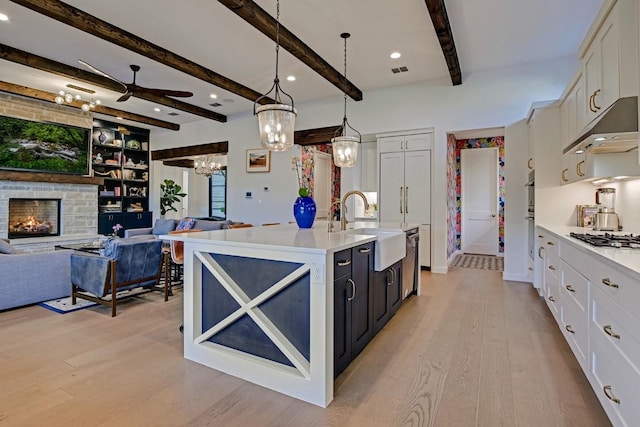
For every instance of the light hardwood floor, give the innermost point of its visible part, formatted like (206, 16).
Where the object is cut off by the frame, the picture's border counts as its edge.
(472, 350)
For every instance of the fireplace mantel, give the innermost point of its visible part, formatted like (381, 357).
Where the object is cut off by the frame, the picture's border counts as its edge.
(49, 177)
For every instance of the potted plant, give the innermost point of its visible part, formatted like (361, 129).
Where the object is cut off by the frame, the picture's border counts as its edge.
(171, 193)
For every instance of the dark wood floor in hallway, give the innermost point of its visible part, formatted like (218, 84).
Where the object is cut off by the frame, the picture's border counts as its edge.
(472, 350)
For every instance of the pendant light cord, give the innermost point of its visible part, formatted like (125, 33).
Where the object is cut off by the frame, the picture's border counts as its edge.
(277, 80)
(345, 81)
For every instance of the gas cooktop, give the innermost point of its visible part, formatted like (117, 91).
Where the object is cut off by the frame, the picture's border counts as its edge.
(609, 240)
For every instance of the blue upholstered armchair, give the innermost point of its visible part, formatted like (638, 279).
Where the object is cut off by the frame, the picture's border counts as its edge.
(127, 264)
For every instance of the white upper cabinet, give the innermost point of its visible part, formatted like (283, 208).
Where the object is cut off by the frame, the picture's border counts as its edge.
(572, 112)
(410, 142)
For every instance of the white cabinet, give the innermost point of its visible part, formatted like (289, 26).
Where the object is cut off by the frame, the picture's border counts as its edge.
(579, 167)
(408, 142)
(425, 246)
(572, 112)
(405, 187)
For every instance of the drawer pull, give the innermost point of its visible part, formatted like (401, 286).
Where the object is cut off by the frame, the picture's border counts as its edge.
(530, 269)
(607, 329)
(551, 267)
(550, 243)
(607, 281)
(365, 250)
(540, 236)
(570, 288)
(552, 299)
(570, 329)
(540, 249)
(344, 263)
(607, 392)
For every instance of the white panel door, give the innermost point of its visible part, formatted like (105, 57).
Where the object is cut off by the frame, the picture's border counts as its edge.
(391, 197)
(322, 183)
(479, 231)
(417, 187)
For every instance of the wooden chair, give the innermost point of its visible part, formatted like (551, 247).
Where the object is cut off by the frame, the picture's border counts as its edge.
(240, 225)
(129, 264)
(177, 248)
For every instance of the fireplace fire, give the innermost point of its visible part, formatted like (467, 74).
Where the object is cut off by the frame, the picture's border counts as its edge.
(33, 218)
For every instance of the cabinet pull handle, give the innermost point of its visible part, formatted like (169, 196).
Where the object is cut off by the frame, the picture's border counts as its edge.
(563, 175)
(344, 263)
(579, 168)
(406, 200)
(401, 197)
(540, 249)
(570, 329)
(608, 331)
(552, 299)
(393, 275)
(552, 268)
(607, 281)
(541, 236)
(550, 243)
(364, 250)
(529, 163)
(595, 106)
(570, 288)
(591, 103)
(353, 289)
(530, 269)
(607, 392)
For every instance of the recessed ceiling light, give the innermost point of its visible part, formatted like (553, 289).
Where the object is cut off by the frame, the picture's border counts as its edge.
(119, 118)
(156, 109)
(291, 78)
(395, 55)
(601, 138)
(213, 96)
(3, 17)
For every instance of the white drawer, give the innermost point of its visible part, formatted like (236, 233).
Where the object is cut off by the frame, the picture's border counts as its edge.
(621, 287)
(551, 244)
(574, 287)
(574, 324)
(616, 326)
(612, 377)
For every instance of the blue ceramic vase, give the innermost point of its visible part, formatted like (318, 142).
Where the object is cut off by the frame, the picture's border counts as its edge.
(304, 211)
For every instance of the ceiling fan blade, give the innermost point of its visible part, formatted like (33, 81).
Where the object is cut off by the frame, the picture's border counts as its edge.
(102, 73)
(124, 97)
(165, 92)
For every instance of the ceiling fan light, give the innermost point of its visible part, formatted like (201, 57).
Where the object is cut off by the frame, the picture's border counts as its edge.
(59, 99)
(68, 97)
(85, 107)
(345, 151)
(276, 123)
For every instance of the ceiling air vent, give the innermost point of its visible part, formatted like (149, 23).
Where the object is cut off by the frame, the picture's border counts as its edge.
(399, 70)
(173, 114)
(216, 104)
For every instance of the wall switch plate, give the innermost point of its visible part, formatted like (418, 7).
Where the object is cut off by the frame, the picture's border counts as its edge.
(248, 194)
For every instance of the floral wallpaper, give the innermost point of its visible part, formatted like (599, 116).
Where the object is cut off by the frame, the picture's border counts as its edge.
(307, 171)
(454, 219)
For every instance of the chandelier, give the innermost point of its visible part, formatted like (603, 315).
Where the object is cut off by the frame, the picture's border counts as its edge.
(345, 147)
(67, 97)
(276, 121)
(207, 166)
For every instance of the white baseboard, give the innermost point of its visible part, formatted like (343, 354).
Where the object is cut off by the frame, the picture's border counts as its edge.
(516, 277)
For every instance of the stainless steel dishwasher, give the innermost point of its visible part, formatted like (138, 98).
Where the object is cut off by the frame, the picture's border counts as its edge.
(410, 268)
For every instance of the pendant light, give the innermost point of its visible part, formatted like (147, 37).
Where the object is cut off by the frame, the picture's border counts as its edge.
(345, 147)
(276, 121)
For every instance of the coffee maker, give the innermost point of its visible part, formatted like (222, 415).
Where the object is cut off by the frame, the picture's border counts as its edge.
(606, 219)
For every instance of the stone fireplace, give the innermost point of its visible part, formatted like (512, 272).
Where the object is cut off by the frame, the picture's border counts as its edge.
(33, 218)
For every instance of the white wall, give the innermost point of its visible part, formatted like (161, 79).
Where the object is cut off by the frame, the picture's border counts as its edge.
(494, 98)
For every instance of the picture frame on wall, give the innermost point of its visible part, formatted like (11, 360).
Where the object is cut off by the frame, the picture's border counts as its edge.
(258, 160)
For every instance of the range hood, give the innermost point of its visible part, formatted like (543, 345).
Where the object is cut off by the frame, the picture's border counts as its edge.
(615, 131)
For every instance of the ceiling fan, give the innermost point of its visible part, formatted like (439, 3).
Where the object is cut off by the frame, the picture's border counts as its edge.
(133, 88)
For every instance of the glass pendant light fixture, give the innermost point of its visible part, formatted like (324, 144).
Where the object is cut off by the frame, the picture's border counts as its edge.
(345, 147)
(276, 121)
(207, 166)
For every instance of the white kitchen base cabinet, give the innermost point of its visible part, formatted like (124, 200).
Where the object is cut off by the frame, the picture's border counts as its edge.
(596, 303)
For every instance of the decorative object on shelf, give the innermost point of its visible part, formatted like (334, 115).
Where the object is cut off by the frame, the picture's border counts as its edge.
(63, 97)
(171, 193)
(133, 144)
(98, 158)
(276, 121)
(207, 166)
(258, 160)
(345, 147)
(304, 211)
(116, 228)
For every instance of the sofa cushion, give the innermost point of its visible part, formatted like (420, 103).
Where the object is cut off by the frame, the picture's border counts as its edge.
(205, 225)
(186, 224)
(163, 226)
(6, 248)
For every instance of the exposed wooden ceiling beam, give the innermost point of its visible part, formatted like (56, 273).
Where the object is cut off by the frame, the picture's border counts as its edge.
(34, 61)
(266, 24)
(440, 20)
(83, 21)
(315, 136)
(49, 97)
(180, 163)
(191, 150)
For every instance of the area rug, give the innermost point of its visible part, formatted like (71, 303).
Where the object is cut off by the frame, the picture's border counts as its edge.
(481, 262)
(63, 305)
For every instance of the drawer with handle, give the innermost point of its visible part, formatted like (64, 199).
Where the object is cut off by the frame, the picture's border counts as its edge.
(613, 282)
(574, 324)
(574, 287)
(341, 263)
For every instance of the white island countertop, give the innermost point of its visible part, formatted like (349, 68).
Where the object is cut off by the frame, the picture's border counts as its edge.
(286, 237)
(627, 258)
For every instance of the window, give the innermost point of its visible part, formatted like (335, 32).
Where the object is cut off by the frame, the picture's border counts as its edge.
(218, 195)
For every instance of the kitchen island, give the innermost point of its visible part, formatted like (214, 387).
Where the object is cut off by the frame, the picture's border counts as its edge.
(259, 304)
